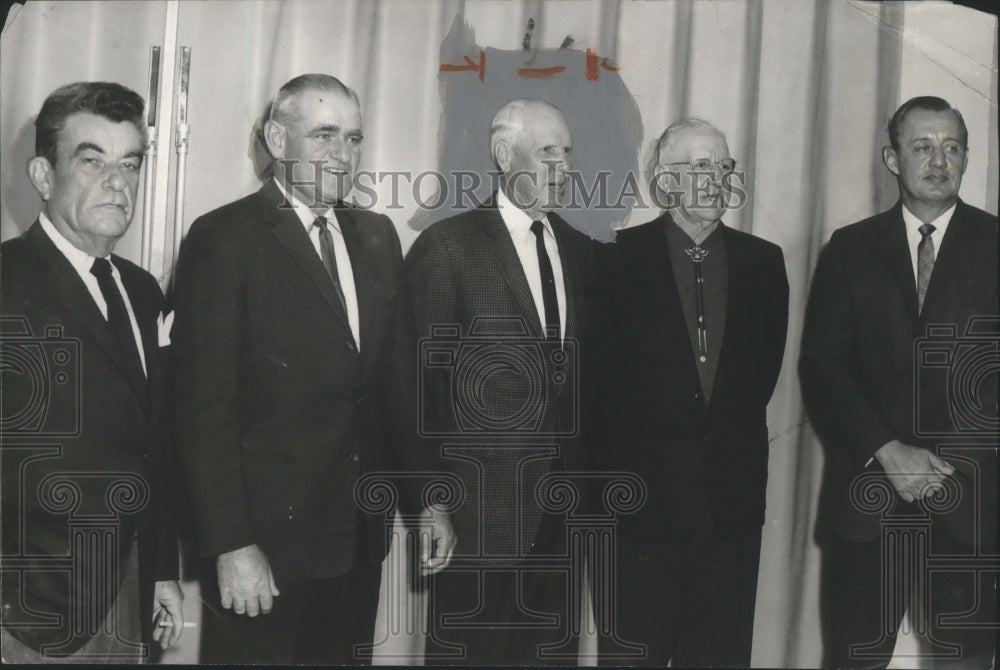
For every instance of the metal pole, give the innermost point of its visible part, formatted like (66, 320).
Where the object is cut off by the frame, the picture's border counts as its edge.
(149, 185)
(181, 144)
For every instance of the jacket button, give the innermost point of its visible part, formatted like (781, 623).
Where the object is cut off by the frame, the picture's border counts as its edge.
(355, 458)
(350, 345)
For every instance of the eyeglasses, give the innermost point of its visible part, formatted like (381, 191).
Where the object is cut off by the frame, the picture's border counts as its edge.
(725, 166)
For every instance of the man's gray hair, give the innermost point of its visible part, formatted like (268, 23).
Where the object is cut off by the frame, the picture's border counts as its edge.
(508, 122)
(669, 136)
(283, 108)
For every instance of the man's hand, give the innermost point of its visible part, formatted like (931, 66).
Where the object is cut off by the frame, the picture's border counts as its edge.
(246, 583)
(914, 471)
(437, 540)
(168, 615)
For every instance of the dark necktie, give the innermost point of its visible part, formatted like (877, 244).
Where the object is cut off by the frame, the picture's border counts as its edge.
(330, 258)
(549, 299)
(925, 263)
(118, 319)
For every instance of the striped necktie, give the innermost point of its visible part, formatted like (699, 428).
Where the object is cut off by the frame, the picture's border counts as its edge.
(925, 263)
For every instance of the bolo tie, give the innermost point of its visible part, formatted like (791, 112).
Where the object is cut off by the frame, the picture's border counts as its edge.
(697, 256)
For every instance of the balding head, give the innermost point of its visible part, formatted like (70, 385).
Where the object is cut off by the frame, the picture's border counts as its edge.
(668, 146)
(693, 164)
(285, 110)
(314, 134)
(510, 120)
(532, 146)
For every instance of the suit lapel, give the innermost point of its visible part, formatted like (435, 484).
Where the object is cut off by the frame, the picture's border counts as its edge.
(570, 273)
(366, 287)
(286, 226)
(896, 250)
(738, 283)
(671, 314)
(61, 281)
(502, 248)
(147, 331)
(134, 374)
(950, 278)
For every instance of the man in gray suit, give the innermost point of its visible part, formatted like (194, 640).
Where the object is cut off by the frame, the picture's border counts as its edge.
(501, 293)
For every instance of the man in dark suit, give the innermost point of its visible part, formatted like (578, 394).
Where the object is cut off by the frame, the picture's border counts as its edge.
(886, 289)
(501, 295)
(89, 545)
(697, 317)
(295, 377)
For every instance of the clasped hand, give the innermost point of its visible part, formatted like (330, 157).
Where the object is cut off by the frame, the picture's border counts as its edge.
(914, 472)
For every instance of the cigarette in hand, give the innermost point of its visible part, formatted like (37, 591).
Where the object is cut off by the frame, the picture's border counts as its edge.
(168, 624)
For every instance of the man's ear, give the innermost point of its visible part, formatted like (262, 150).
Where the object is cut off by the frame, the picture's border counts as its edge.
(501, 154)
(42, 176)
(274, 137)
(889, 157)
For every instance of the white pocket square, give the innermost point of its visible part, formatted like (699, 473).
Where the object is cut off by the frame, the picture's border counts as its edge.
(163, 325)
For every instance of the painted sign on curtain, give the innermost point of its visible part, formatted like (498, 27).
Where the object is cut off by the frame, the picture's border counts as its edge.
(476, 81)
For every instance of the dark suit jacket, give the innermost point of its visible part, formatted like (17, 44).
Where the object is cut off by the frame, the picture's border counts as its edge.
(658, 424)
(278, 414)
(504, 387)
(72, 411)
(858, 349)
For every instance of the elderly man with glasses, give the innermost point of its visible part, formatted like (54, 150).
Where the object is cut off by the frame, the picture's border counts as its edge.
(699, 312)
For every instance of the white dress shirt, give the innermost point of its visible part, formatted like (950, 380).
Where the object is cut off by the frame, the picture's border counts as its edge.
(82, 263)
(913, 235)
(344, 269)
(519, 226)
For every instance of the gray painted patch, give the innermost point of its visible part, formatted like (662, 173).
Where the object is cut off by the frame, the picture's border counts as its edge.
(601, 113)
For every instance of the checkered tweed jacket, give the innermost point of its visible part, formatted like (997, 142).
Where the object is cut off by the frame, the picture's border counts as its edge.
(500, 402)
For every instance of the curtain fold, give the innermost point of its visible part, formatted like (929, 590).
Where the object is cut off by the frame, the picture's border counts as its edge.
(803, 91)
(46, 45)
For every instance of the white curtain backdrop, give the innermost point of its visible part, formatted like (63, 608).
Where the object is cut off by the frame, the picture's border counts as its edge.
(802, 88)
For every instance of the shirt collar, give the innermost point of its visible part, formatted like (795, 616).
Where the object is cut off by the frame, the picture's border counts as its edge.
(80, 260)
(306, 215)
(681, 235)
(940, 223)
(517, 220)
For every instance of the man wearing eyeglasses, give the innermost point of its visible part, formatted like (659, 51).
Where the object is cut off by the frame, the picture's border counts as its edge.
(699, 312)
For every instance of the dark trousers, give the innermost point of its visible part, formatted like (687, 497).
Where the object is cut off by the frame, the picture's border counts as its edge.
(505, 616)
(313, 621)
(686, 591)
(867, 586)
